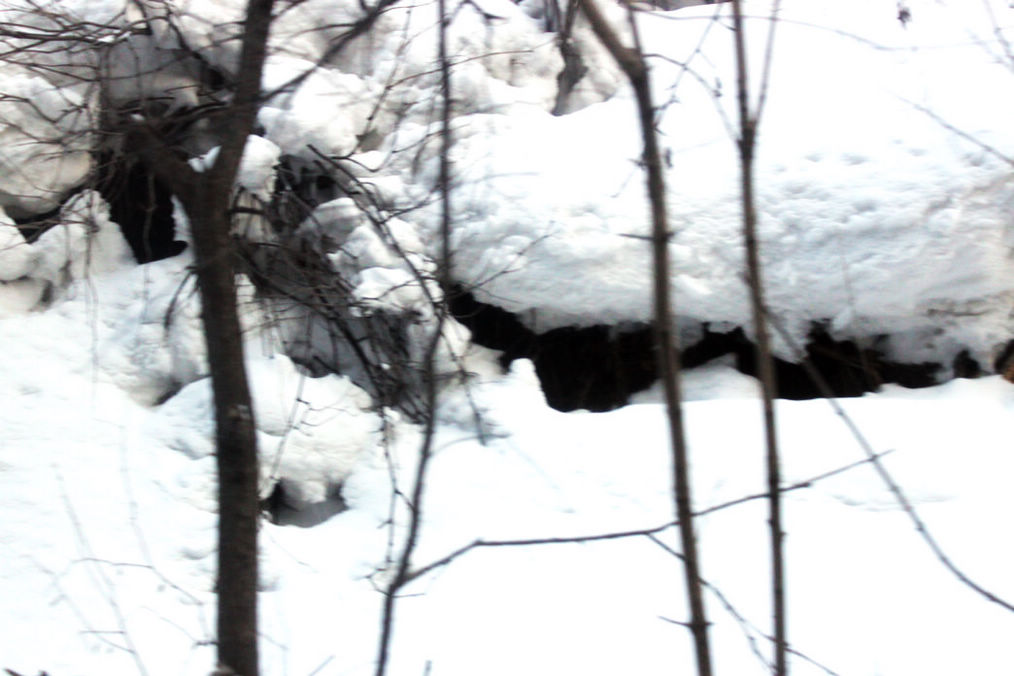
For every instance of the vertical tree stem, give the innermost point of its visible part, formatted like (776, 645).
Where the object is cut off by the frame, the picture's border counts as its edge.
(236, 440)
(403, 574)
(765, 365)
(633, 65)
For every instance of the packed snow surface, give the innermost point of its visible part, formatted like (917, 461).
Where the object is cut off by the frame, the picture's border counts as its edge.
(885, 199)
(109, 514)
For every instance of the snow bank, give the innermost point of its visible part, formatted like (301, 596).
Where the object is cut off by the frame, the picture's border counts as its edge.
(17, 258)
(311, 431)
(85, 243)
(876, 216)
(43, 142)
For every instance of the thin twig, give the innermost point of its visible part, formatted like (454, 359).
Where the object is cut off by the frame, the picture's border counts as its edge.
(402, 575)
(746, 626)
(992, 150)
(528, 542)
(885, 476)
(624, 534)
(806, 483)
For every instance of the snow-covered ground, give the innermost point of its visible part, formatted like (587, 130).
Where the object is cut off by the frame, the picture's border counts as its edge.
(877, 218)
(109, 515)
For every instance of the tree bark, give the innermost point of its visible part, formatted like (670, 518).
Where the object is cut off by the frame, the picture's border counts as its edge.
(238, 474)
(574, 67)
(631, 61)
(765, 364)
(235, 436)
(206, 197)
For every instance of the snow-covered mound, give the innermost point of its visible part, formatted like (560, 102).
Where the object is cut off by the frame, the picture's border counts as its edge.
(877, 216)
(883, 167)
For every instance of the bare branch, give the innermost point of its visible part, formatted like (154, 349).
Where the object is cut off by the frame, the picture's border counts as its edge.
(632, 62)
(971, 138)
(899, 495)
(748, 122)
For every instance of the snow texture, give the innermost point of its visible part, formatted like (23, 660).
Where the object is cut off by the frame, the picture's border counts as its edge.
(43, 144)
(877, 217)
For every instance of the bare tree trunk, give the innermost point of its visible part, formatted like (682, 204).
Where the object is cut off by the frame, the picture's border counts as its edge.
(633, 65)
(238, 475)
(574, 67)
(236, 443)
(207, 197)
(765, 364)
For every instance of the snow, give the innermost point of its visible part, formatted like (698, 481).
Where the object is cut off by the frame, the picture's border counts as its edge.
(306, 119)
(877, 219)
(256, 169)
(86, 242)
(860, 186)
(16, 257)
(44, 147)
(595, 607)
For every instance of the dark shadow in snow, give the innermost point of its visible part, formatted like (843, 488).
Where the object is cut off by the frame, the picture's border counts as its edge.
(599, 367)
(36, 224)
(140, 204)
(849, 370)
(595, 368)
(278, 510)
